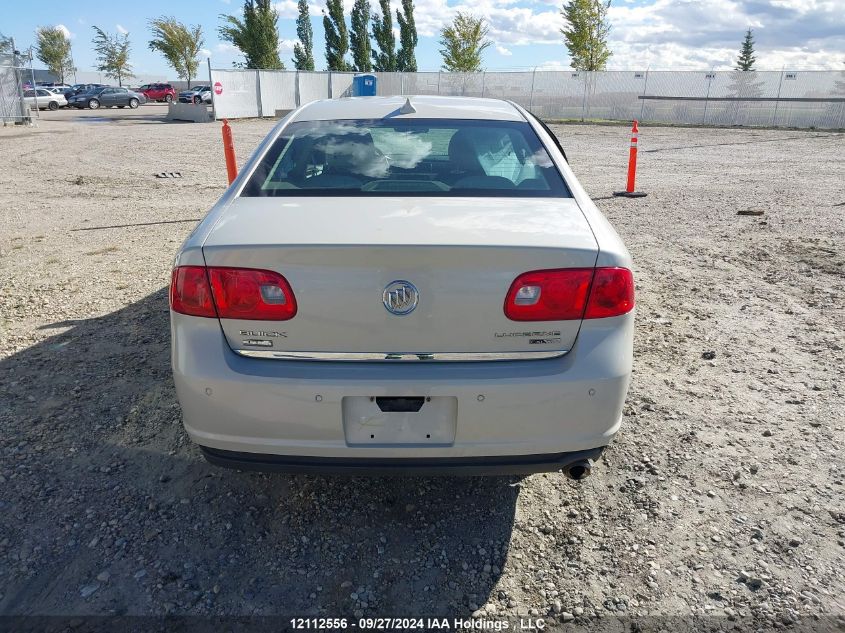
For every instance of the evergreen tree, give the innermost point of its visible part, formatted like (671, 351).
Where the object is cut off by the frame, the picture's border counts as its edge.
(585, 33)
(464, 41)
(303, 50)
(255, 35)
(406, 59)
(337, 36)
(384, 53)
(359, 40)
(746, 58)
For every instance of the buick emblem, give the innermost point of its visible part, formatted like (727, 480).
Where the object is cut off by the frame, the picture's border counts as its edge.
(400, 297)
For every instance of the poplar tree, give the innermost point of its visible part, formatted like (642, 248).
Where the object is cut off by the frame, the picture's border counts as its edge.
(360, 36)
(303, 50)
(256, 34)
(384, 52)
(406, 59)
(337, 36)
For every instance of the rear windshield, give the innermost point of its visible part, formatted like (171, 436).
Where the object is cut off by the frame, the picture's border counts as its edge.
(420, 157)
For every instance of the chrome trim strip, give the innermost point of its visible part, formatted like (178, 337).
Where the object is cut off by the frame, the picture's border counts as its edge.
(400, 357)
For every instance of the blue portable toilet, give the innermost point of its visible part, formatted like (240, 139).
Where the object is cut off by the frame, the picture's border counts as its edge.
(364, 85)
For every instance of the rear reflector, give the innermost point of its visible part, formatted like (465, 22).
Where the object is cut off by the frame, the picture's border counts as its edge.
(570, 293)
(231, 293)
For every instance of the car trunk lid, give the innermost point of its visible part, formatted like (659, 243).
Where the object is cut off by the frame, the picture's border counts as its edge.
(341, 254)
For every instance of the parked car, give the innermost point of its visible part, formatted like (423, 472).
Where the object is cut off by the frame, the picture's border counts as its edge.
(54, 87)
(392, 285)
(107, 98)
(43, 99)
(197, 94)
(158, 92)
(77, 89)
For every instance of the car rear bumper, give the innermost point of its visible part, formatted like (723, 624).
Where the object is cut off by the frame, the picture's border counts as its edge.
(503, 465)
(524, 413)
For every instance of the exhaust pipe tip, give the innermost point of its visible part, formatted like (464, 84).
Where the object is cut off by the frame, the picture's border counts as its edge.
(579, 470)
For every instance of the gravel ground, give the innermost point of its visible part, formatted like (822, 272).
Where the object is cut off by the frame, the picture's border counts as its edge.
(721, 499)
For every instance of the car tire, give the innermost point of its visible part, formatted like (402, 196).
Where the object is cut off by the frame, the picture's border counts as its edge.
(168, 98)
(197, 100)
(133, 103)
(93, 104)
(53, 105)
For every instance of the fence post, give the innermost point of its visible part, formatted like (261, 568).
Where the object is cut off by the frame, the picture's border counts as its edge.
(531, 96)
(777, 101)
(19, 81)
(707, 97)
(258, 92)
(645, 90)
(483, 76)
(213, 94)
(330, 85)
(296, 96)
(584, 98)
(438, 82)
(401, 83)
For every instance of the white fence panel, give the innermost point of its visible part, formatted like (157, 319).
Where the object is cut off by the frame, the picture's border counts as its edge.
(239, 95)
(278, 91)
(341, 84)
(724, 98)
(313, 86)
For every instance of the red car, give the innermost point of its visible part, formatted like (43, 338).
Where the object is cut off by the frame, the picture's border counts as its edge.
(158, 92)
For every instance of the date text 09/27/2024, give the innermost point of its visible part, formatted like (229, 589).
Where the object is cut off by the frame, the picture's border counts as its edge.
(423, 624)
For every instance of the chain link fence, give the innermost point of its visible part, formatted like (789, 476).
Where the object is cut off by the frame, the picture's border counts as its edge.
(801, 99)
(12, 107)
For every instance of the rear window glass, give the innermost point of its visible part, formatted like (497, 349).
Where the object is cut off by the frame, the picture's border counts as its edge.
(420, 157)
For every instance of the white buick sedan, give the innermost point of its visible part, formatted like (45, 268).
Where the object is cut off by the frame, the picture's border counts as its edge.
(412, 285)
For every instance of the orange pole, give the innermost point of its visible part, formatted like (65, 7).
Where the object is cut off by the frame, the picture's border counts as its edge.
(229, 152)
(632, 159)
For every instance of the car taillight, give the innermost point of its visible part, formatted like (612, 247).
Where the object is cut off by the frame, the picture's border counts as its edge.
(190, 293)
(231, 293)
(549, 295)
(611, 294)
(570, 293)
(255, 295)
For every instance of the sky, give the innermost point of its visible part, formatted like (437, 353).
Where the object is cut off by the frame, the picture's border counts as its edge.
(656, 34)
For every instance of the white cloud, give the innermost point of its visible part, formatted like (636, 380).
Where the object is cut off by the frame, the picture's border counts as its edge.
(286, 46)
(503, 51)
(225, 47)
(205, 52)
(120, 29)
(509, 24)
(676, 34)
(66, 31)
(289, 9)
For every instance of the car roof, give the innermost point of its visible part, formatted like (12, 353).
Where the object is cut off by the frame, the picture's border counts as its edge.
(427, 107)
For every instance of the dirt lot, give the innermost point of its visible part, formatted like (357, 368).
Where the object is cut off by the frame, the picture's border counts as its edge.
(721, 499)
